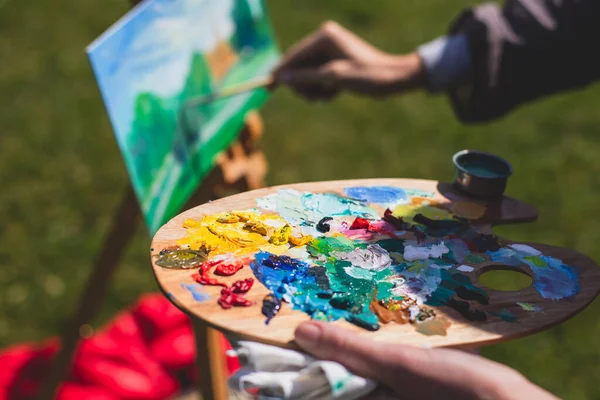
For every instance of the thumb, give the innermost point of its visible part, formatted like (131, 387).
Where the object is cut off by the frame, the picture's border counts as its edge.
(364, 357)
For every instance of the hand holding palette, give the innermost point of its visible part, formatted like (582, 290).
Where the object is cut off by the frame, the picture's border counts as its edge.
(395, 259)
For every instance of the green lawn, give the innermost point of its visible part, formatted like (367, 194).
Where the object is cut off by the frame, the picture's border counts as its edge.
(62, 175)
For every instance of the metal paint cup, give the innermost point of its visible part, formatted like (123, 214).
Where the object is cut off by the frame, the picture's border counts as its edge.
(480, 174)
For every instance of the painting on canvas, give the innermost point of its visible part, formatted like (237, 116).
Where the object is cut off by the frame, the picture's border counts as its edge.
(152, 62)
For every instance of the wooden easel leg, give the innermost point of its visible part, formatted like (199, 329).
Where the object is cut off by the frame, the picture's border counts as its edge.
(92, 297)
(212, 373)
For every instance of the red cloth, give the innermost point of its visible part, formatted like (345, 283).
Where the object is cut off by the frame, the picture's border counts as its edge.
(146, 353)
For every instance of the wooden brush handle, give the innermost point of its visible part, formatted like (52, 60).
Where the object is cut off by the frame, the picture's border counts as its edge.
(231, 91)
(246, 86)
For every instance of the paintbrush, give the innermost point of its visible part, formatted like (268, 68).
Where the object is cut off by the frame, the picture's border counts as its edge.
(231, 91)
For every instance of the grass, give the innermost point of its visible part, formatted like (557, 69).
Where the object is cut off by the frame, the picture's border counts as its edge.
(62, 175)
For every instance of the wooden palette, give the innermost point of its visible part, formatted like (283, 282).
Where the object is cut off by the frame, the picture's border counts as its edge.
(249, 323)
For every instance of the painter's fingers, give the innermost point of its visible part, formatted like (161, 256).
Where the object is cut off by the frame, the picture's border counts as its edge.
(364, 357)
(325, 75)
(316, 49)
(415, 372)
(317, 83)
(349, 75)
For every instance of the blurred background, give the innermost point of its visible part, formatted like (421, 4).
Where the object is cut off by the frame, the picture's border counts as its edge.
(61, 173)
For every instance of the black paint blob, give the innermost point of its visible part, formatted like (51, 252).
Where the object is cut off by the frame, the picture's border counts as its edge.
(271, 306)
(323, 225)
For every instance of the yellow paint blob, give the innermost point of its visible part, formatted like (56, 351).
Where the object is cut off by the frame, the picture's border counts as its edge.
(423, 201)
(434, 326)
(468, 209)
(300, 240)
(408, 211)
(258, 227)
(281, 236)
(398, 257)
(417, 267)
(239, 233)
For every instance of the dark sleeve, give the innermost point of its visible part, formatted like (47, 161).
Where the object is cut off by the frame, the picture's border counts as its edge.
(526, 50)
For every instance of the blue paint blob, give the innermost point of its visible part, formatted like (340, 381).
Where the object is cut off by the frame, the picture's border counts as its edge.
(505, 256)
(386, 195)
(551, 277)
(195, 290)
(329, 204)
(308, 289)
(418, 193)
(556, 281)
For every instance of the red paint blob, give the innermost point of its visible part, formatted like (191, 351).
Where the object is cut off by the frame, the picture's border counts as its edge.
(229, 299)
(360, 223)
(242, 286)
(229, 269)
(203, 276)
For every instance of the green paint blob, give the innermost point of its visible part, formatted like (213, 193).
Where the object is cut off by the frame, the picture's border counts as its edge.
(384, 291)
(537, 261)
(418, 193)
(530, 307)
(473, 259)
(353, 295)
(319, 316)
(326, 245)
(181, 259)
(456, 284)
(392, 245)
(505, 315)
(358, 273)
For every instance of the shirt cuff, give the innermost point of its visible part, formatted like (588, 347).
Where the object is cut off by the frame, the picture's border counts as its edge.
(447, 61)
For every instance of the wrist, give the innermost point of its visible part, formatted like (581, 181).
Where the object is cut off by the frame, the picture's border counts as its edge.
(415, 71)
(412, 71)
(409, 72)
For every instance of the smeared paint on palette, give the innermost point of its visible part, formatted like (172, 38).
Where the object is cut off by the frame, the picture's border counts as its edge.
(376, 255)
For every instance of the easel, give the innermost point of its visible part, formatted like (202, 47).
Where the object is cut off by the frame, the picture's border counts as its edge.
(241, 167)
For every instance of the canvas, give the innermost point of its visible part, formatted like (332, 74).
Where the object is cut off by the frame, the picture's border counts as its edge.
(152, 62)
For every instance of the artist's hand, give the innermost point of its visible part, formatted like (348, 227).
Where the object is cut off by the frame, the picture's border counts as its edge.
(415, 373)
(333, 59)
